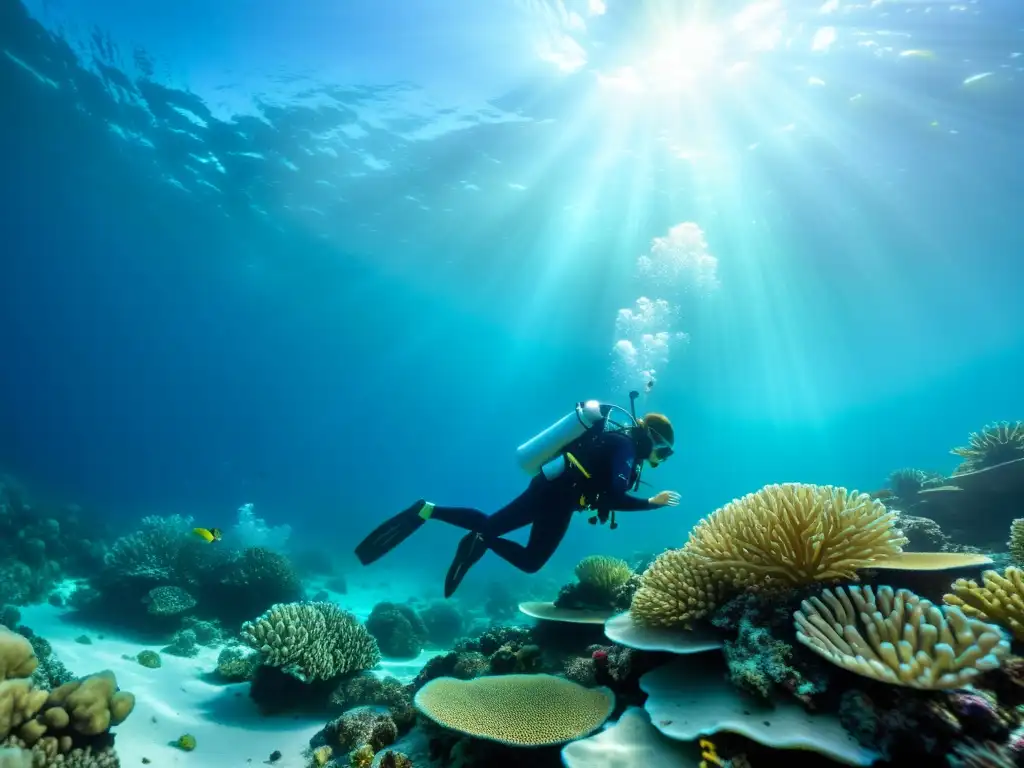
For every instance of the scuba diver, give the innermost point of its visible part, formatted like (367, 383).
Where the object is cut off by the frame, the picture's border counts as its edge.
(584, 461)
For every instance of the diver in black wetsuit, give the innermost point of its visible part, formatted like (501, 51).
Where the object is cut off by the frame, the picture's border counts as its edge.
(593, 470)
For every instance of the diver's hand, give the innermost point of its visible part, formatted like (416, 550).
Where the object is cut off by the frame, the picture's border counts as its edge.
(665, 499)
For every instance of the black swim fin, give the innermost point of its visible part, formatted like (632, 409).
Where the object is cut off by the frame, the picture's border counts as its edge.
(471, 548)
(393, 532)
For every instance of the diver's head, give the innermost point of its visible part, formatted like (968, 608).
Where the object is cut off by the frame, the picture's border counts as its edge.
(658, 437)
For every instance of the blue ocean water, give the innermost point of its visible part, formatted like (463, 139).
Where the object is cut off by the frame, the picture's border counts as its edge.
(332, 257)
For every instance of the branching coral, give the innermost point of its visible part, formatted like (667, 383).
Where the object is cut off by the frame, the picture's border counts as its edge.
(679, 587)
(312, 641)
(1015, 545)
(999, 598)
(994, 444)
(782, 535)
(898, 637)
(153, 551)
(905, 483)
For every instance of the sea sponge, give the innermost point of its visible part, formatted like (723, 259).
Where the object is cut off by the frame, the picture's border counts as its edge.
(312, 641)
(519, 710)
(999, 598)
(17, 658)
(782, 535)
(909, 641)
(994, 444)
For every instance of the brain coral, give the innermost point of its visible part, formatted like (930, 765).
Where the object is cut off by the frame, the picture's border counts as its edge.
(520, 710)
(312, 641)
(782, 535)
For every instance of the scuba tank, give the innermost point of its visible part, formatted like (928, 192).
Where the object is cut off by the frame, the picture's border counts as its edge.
(545, 452)
(542, 448)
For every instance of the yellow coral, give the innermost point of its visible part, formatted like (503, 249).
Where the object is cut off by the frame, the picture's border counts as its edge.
(678, 588)
(797, 534)
(909, 641)
(519, 710)
(322, 755)
(17, 659)
(604, 573)
(789, 535)
(1000, 598)
(994, 444)
(362, 757)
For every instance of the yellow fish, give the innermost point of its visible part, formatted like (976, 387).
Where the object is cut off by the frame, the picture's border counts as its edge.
(207, 534)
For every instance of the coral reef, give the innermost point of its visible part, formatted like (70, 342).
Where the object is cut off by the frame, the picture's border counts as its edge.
(999, 598)
(366, 689)
(779, 537)
(159, 575)
(923, 535)
(69, 725)
(444, 623)
(40, 545)
(905, 484)
(312, 641)
(1016, 543)
(995, 444)
(498, 650)
(238, 663)
(398, 630)
(909, 641)
(761, 657)
(168, 601)
(600, 583)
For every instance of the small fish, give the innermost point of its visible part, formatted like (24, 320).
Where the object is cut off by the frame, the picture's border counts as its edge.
(207, 534)
(882, 494)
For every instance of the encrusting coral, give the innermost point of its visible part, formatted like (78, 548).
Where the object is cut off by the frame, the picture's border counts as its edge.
(518, 710)
(312, 641)
(994, 444)
(780, 536)
(898, 637)
(999, 598)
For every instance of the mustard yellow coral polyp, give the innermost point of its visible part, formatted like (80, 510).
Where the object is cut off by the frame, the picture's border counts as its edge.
(999, 598)
(678, 588)
(898, 637)
(786, 535)
(520, 710)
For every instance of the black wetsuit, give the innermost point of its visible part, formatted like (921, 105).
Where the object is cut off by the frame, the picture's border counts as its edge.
(548, 505)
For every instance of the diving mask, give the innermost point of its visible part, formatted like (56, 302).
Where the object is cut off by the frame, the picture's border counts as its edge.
(661, 448)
